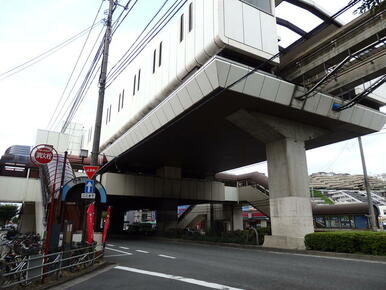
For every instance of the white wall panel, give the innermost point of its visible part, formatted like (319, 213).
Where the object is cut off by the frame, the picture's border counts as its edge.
(209, 44)
(154, 120)
(324, 105)
(235, 74)
(234, 20)
(252, 29)
(161, 116)
(176, 105)
(222, 72)
(194, 91)
(311, 104)
(198, 30)
(184, 98)
(357, 116)
(285, 93)
(204, 84)
(168, 111)
(269, 34)
(254, 84)
(345, 115)
(270, 88)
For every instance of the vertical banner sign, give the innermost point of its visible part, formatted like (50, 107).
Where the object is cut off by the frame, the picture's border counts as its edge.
(106, 225)
(90, 223)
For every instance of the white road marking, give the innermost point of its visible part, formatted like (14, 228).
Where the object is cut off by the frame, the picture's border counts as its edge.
(125, 248)
(329, 257)
(178, 278)
(169, 257)
(110, 245)
(118, 255)
(141, 251)
(118, 251)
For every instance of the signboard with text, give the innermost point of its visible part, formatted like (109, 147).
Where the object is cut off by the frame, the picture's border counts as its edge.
(90, 171)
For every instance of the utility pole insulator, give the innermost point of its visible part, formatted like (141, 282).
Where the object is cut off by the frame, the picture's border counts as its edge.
(102, 87)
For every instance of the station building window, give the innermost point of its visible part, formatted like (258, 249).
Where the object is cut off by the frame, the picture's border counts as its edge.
(190, 17)
(160, 54)
(182, 28)
(263, 5)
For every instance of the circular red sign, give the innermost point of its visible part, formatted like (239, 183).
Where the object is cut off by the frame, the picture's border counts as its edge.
(44, 155)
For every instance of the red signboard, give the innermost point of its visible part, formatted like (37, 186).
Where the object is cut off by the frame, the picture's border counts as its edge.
(106, 225)
(90, 171)
(90, 223)
(44, 155)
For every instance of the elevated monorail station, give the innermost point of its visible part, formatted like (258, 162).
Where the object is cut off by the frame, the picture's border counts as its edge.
(214, 90)
(210, 93)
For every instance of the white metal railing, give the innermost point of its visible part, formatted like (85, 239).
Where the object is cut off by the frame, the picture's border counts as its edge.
(23, 270)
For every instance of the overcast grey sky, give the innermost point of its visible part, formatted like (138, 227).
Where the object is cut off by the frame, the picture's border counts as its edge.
(28, 99)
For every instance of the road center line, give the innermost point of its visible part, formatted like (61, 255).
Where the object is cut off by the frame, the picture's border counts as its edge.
(125, 248)
(178, 278)
(169, 257)
(110, 245)
(118, 251)
(141, 251)
(329, 257)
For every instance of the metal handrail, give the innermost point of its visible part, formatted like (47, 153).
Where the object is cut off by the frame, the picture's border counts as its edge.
(61, 260)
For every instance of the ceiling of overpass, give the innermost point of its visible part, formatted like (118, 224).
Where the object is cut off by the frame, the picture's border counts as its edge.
(298, 18)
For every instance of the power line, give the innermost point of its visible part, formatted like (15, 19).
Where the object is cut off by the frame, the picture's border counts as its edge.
(138, 45)
(90, 76)
(75, 66)
(79, 75)
(45, 54)
(78, 99)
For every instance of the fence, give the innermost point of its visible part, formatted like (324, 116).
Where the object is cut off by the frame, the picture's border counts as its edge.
(23, 270)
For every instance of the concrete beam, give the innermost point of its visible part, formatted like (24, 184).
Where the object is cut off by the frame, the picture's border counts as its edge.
(334, 48)
(358, 74)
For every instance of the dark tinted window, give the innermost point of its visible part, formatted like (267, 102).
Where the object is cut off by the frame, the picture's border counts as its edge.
(154, 59)
(160, 54)
(134, 84)
(263, 5)
(190, 17)
(182, 28)
(139, 79)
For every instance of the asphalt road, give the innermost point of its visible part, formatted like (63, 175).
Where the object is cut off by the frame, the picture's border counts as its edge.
(154, 264)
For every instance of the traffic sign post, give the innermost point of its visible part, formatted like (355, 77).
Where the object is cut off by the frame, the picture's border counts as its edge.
(89, 186)
(88, 190)
(90, 171)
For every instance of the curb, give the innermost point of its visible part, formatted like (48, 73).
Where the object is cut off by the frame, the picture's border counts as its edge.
(302, 252)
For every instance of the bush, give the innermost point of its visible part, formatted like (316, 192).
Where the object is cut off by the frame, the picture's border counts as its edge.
(237, 237)
(365, 242)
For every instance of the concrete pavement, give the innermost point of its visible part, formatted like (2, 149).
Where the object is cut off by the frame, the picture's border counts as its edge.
(154, 264)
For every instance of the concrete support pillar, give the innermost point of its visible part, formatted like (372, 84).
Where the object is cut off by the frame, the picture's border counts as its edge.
(290, 203)
(167, 216)
(237, 217)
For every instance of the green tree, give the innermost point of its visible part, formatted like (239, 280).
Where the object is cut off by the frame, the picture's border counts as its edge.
(7, 212)
(371, 5)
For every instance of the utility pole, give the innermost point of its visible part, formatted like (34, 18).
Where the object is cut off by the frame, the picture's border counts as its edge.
(367, 185)
(102, 87)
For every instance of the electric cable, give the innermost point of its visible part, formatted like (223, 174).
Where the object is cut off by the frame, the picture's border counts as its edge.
(79, 75)
(78, 99)
(75, 65)
(45, 54)
(138, 45)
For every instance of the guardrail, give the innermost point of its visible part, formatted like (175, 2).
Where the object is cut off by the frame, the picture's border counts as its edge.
(23, 270)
